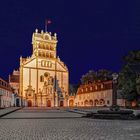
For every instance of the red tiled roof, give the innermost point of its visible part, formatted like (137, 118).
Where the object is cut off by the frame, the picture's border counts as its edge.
(93, 87)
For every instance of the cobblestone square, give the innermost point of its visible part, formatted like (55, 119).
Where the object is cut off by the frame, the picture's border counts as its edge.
(43, 124)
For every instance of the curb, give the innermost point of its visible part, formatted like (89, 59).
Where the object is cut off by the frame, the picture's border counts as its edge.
(10, 112)
(78, 112)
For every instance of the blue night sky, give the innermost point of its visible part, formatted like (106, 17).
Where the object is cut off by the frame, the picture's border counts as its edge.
(92, 34)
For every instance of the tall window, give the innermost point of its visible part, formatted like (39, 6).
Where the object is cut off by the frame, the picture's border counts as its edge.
(102, 86)
(91, 88)
(41, 78)
(108, 102)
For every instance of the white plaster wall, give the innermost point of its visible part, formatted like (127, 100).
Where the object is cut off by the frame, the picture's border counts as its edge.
(25, 79)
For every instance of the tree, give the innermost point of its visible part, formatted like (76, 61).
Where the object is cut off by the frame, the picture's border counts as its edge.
(94, 76)
(104, 74)
(128, 80)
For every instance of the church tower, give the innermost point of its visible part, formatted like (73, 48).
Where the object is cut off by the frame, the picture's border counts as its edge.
(44, 45)
(44, 78)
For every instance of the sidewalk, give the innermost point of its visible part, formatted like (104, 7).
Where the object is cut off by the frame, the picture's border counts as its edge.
(8, 110)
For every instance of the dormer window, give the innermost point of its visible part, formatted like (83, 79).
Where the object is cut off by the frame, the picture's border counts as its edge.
(91, 88)
(102, 86)
(96, 87)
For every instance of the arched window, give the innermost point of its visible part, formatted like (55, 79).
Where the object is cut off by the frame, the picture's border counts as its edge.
(44, 46)
(47, 47)
(71, 103)
(96, 87)
(102, 86)
(96, 102)
(91, 88)
(44, 55)
(40, 53)
(108, 102)
(102, 101)
(41, 78)
(86, 103)
(91, 102)
(40, 45)
(47, 54)
(51, 55)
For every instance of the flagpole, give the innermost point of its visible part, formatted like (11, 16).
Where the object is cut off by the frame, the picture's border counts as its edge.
(47, 22)
(46, 26)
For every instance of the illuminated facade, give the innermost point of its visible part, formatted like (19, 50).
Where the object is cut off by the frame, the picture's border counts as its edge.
(14, 83)
(6, 95)
(44, 78)
(94, 94)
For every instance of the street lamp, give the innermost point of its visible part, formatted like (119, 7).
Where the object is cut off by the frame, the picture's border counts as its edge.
(114, 93)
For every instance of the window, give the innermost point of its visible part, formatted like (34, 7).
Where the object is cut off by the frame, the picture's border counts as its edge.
(91, 88)
(96, 87)
(41, 78)
(102, 86)
(108, 102)
(51, 48)
(102, 95)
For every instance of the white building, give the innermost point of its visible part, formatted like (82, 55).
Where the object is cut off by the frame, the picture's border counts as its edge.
(95, 94)
(6, 99)
(44, 78)
(14, 83)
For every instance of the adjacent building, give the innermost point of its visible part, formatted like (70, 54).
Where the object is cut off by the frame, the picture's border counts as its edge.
(44, 78)
(94, 94)
(6, 95)
(14, 83)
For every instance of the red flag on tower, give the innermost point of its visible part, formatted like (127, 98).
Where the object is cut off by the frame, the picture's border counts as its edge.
(49, 21)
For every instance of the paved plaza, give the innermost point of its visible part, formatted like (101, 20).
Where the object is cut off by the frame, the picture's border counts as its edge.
(54, 124)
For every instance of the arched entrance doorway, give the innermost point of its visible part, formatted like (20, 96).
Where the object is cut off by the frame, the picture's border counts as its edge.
(29, 103)
(102, 102)
(86, 103)
(96, 102)
(48, 103)
(71, 103)
(61, 103)
(91, 103)
(17, 102)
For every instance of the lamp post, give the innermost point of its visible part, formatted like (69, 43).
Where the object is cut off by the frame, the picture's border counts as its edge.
(114, 95)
